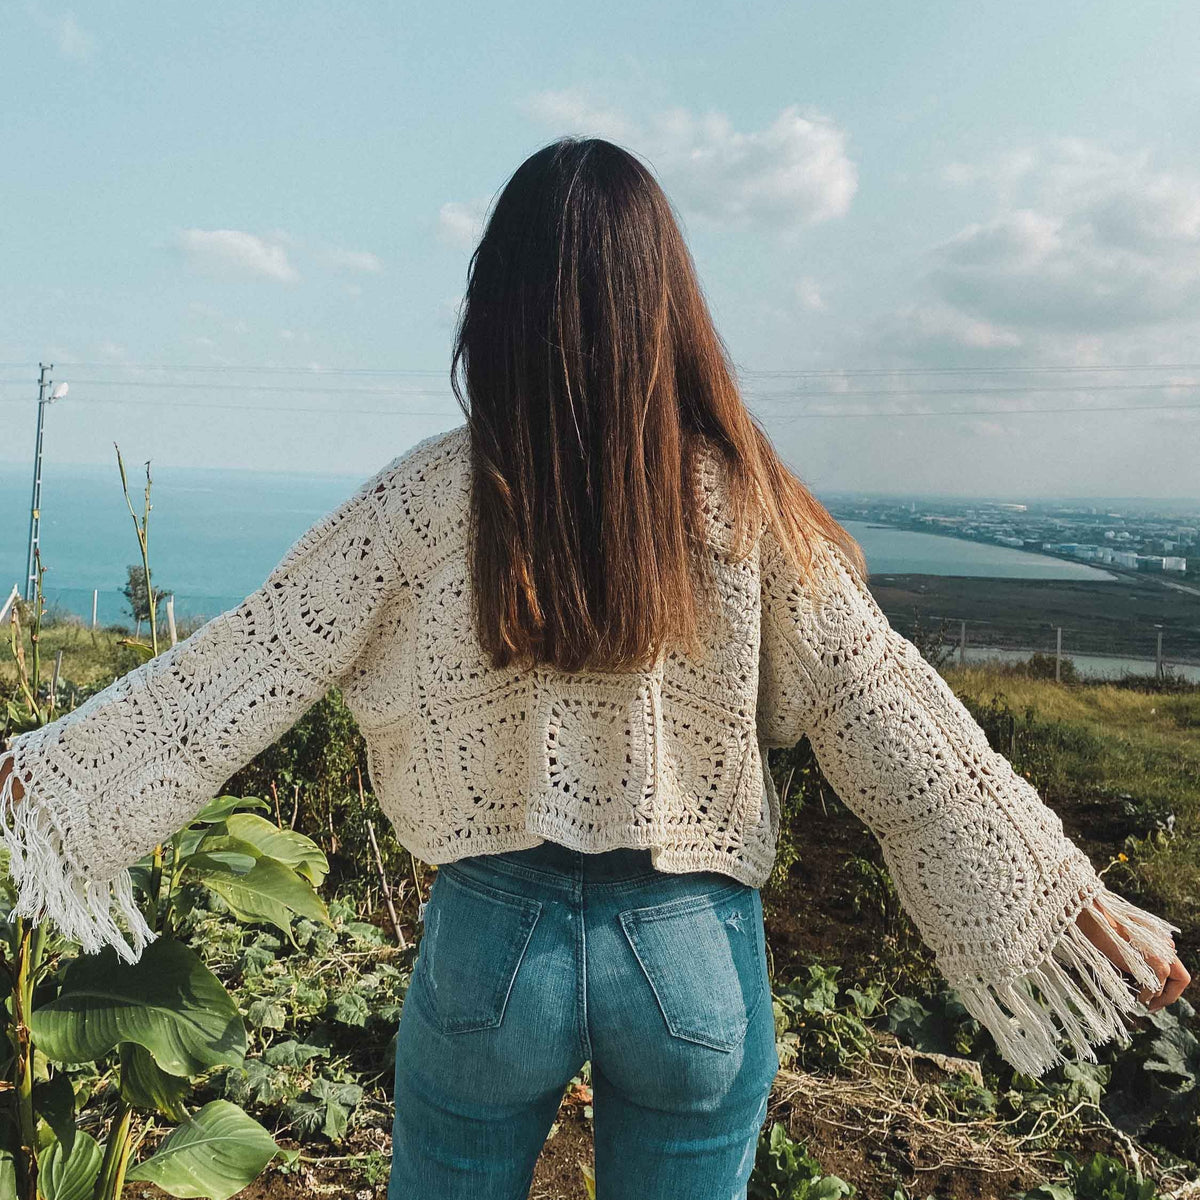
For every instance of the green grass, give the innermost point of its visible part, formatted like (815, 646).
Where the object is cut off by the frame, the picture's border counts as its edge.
(92, 658)
(1109, 749)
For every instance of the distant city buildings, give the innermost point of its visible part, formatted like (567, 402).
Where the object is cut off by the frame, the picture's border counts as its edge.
(1118, 558)
(1139, 538)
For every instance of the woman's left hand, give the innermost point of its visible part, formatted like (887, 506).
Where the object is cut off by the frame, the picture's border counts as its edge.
(1173, 976)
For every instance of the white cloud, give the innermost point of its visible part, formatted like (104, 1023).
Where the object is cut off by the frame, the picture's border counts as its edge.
(1082, 240)
(794, 172)
(361, 261)
(235, 254)
(74, 42)
(111, 351)
(461, 224)
(809, 294)
(935, 332)
(574, 113)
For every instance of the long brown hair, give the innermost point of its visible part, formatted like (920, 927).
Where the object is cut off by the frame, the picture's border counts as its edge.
(594, 373)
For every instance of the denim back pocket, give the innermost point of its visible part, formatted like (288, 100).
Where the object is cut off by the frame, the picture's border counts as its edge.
(705, 959)
(475, 937)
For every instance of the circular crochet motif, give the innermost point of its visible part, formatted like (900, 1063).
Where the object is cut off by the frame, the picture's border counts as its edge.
(701, 753)
(487, 759)
(967, 878)
(451, 660)
(595, 745)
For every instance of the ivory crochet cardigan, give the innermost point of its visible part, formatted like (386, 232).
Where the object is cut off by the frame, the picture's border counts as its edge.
(465, 759)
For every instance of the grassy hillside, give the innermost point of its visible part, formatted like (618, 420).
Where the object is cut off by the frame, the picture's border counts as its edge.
(886, 1083)
(1120, 766)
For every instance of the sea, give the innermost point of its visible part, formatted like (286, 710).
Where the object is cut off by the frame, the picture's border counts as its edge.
(214, 535)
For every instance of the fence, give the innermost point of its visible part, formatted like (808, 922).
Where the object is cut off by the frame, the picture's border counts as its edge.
(1094, 649)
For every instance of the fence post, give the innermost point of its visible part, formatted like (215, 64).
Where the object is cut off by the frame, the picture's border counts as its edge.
(1158, 663)
(171, 618)
(962, 645)
(95, 597)
(11, 597)
(1058, 656)
(54, 679)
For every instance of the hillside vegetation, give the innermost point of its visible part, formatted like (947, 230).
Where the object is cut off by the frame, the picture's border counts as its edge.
(888, 1089)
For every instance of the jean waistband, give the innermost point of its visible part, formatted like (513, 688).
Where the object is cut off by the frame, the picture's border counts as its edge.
(556, 864)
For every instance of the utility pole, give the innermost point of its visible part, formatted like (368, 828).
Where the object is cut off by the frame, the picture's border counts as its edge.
(35, 516)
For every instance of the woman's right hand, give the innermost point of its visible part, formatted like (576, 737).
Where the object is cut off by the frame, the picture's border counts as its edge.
(6, 763)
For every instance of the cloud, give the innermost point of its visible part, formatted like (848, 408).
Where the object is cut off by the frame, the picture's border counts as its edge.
(235, 254)
(793, 173)
(73, 41)
(111, 351)
(936, 333)
(361, 261)
(1083, 239)
(809, 294)
(461, 224)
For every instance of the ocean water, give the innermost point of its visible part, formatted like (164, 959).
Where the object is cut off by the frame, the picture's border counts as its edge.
(899, 551)
(215, 535)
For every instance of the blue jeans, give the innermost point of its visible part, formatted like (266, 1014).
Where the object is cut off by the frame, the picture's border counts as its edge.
(536, 961)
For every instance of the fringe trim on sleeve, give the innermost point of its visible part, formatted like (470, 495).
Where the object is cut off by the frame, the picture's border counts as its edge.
(1077, 986)
(49, 885)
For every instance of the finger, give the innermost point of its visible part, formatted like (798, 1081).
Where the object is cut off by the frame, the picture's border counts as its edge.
(1101, 934)
(1177, 980)
(5, 770)
(1162, 972)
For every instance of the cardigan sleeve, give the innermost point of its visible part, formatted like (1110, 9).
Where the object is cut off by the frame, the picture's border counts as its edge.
(108, 781)
(980, 863)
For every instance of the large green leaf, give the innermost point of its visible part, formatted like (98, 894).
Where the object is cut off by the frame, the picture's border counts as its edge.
(54, 1102)
(228, 859)
(168, 1001)
(144, 1084)
(10, 1143)
(220, 807)
(269, 892)
(287, 846)
(70, 1175)
(213, 1154)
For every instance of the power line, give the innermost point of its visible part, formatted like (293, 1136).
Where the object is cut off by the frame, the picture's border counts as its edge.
(172, 385)
(820, 416)
(266, 408)
(986, 412)
(216, 367)
(757, 373)
(985, 391)
(773, 397)
(970, 370)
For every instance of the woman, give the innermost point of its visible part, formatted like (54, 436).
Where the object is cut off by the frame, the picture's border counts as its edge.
(569, 629)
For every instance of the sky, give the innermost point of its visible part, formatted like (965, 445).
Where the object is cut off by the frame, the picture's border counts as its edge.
(241, 232)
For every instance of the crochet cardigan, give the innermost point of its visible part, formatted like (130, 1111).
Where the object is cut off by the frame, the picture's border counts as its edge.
(466, 759)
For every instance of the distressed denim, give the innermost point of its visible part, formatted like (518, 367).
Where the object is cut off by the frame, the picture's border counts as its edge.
(532, 963)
